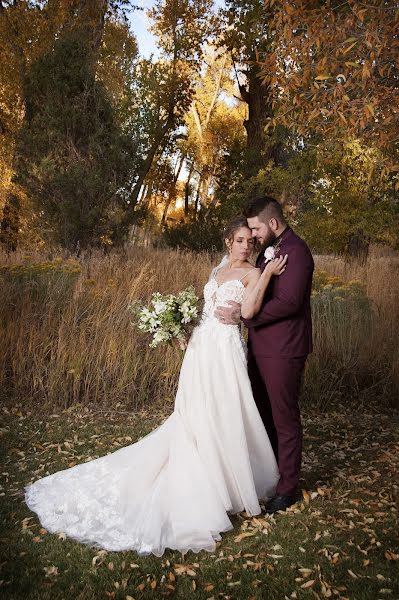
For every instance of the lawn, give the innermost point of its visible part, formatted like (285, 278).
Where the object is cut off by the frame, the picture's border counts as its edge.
(339, 541)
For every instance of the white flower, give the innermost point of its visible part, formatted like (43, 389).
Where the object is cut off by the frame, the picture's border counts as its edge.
(270, 253)
(160, 306)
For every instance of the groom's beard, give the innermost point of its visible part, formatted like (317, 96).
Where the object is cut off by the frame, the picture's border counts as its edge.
(261, 246)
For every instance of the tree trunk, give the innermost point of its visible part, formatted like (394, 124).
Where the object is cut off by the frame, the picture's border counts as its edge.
(172, 191)
(260, 146)
(197, 197)
(187, 189)
(358, 247)
(9, 224)
(206, 178)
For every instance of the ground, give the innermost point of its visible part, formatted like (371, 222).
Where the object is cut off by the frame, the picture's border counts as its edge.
(339, 541)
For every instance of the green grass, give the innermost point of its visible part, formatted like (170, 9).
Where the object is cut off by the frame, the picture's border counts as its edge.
(340, 541)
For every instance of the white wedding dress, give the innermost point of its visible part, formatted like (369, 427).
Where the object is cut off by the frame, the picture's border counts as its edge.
(175, 487)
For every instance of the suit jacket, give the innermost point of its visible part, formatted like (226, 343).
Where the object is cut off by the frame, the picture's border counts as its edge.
(283, 326)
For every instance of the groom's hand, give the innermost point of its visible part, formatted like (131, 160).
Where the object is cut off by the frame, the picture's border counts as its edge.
(229, 315)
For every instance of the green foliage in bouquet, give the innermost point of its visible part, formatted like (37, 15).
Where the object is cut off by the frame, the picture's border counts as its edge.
(168, 317)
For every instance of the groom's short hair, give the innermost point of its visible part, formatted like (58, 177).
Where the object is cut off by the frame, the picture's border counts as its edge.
(265, 208)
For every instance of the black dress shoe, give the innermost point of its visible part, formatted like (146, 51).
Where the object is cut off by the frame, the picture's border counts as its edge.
(279, 503)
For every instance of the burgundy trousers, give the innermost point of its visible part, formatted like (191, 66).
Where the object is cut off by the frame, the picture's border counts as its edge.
(276, 384)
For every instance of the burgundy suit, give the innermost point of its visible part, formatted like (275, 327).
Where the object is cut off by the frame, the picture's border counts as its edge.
(279, 340)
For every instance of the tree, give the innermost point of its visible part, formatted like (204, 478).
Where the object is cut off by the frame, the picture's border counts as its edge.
(211, 123)
(181, 27)
(28, 30)
(348, 205)
(334, 70)
(248, 37)
(73, 158)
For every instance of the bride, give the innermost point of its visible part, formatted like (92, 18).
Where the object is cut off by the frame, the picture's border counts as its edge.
(176, 487)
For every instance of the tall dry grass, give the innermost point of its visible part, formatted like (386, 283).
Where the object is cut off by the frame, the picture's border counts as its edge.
(66, 338)
(65, 334)
(356, 351)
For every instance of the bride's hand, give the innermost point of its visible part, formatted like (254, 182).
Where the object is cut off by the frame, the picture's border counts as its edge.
(277, 265)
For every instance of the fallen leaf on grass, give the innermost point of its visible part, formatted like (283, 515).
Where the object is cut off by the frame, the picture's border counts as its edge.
(208, 587)
(352, 574)
(49, 571)
(25, 523)
(185, 570)
(308, 584)
(389, 555)
(305, 572)
(99, 558)
(244, 535)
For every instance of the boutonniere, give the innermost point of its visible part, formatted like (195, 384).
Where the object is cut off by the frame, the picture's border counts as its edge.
(271, 251)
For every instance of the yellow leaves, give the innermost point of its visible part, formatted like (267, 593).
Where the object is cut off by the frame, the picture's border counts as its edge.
(350, 40)
(323, 77)
(350, 47)
(309, 496)
(245, 534)
(366, 71)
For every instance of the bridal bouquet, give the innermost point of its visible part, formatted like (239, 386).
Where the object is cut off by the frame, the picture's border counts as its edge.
(168, 317)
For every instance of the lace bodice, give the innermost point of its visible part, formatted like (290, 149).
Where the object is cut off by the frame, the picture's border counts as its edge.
(218, 295)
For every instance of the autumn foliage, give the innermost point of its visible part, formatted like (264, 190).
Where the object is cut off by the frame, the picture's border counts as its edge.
(335, 67)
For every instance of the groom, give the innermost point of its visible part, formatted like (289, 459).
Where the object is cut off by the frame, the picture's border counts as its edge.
(279, 340)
